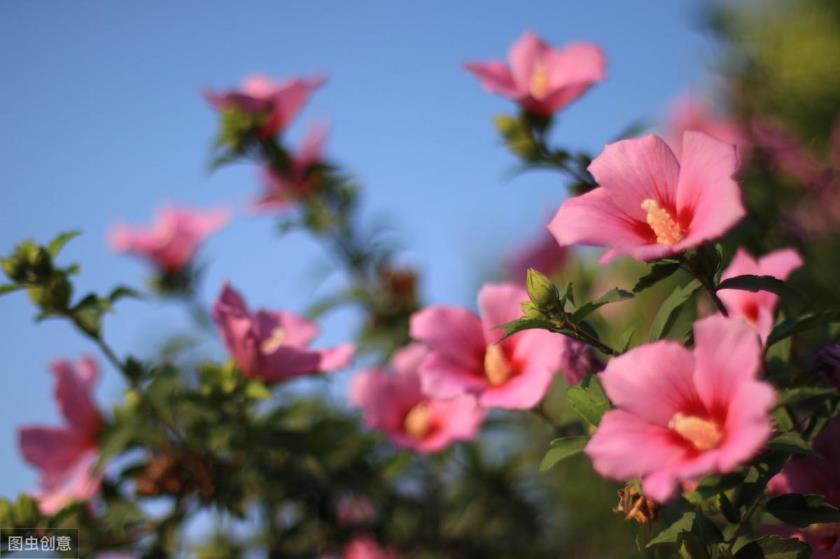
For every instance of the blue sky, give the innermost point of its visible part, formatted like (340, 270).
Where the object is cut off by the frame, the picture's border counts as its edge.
(101, 120)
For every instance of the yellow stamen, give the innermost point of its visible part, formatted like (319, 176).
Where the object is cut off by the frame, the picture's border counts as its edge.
(540, 79)
(274, 341)
(418, 421)
(665, 227)
(704, 434)
(496, 366)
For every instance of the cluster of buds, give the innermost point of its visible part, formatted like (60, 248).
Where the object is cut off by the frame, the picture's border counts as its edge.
(31, 266)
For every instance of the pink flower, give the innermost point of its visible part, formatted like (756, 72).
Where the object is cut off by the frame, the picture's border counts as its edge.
(689, 114)
(66, 455)
(173, 238)
(272, 346)
(788, 153)
(541, 79)
(280, 101)
(816, 475)
(393, 402)
(283, 189)
(757, 308)
(544, 255)
(466, 356)
(681, 415)
(650, 204)
(365, 547)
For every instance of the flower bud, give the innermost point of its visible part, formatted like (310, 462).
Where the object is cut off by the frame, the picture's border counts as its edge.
(53, 295)
(39, 261)
(518, 136)
(14, 268)
(530, 311)
(132, 398)
(542, 292)
(239, 127)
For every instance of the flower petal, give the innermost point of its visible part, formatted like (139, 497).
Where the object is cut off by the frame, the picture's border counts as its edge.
(73, 392)
(635, 170)
(442, 378)
(653, 381)
(494, 76)
(625, 446)
(727, 353)
(522, 56)
(499, 303)
(453, 332)
(707, 195)
(593, 219)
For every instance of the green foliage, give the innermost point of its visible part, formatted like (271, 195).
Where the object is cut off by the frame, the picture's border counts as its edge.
(670, 309)
(588, 400)
(561, 449)
(802, 510)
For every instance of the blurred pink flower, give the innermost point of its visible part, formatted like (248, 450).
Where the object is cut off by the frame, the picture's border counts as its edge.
(466, 355)
(689, 114)
(66, 455)
(757, 308)
(395, 404)
(788, 153)
(541, 79)
(356, 509)
(280, 101)
(681, 415)
(272, 346)
(173, 238)
(365, 547)
(544, 255)
(649, 204)
(281, 190)
(818, 213)
(815, 475)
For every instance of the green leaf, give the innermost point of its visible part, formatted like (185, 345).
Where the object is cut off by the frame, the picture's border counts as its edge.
(795, 395)
(588, 400)
(122, 292)
(611, 296)
(801, 323)
(113, 442)
(521, 324)
(667, 315)
(791, 443)
(774, 547)
(10, 287)
(658, 272)
(802, 510)
(626, 339)
(561, 449)
(692, 547)
(691, 532)
(671, 534)
(58, 243)
(758, 283)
